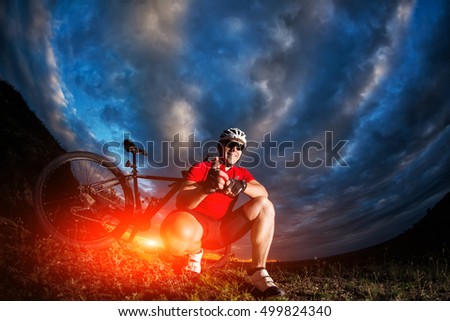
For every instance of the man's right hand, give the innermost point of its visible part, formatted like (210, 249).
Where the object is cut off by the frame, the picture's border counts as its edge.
(216, 178)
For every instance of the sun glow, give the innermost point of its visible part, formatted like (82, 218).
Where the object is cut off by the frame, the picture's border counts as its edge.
(151, 243)
(143, 240)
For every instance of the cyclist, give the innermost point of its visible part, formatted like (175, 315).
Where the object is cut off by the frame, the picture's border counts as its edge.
(205, 217)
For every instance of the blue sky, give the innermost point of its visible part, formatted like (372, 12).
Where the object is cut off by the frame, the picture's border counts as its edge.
(374, 74)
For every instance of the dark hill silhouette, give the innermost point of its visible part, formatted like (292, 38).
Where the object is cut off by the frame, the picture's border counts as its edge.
(26, 147)
(431, 233)
(429, 237)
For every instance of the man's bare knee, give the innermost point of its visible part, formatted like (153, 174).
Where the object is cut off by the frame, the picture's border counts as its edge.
(181, 233)
(259, 207)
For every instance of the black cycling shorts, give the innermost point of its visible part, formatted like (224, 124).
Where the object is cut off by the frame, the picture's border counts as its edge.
(220, 233)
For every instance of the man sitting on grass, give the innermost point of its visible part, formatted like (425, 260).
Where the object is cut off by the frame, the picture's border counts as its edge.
(205, 217)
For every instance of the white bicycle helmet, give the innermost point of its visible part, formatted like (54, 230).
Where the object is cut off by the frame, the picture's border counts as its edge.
(233, 133)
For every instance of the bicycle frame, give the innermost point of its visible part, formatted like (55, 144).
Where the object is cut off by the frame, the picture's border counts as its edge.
(142, 221)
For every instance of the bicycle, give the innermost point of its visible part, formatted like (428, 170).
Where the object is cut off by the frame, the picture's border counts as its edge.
(84, 199)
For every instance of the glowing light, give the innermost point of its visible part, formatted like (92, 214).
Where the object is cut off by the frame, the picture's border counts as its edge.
(151, 243)
(143, 240)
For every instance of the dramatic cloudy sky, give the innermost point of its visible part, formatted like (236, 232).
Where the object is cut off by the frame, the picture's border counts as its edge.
(374, 75)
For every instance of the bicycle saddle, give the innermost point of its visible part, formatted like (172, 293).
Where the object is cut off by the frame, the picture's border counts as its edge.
(132, 148)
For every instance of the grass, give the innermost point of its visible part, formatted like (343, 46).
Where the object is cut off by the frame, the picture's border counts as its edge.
(392, 280)
(43, 269)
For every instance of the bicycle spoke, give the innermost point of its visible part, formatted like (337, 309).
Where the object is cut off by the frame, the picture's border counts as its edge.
(80, 200)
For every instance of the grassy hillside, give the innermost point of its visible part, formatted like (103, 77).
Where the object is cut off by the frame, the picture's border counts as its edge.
(42, 269)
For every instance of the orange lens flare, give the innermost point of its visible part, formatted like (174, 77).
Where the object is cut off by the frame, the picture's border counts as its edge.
(151, 242)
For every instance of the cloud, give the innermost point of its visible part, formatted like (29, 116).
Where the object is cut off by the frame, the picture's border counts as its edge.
(374, 74)
(179, 118)
(28, 62)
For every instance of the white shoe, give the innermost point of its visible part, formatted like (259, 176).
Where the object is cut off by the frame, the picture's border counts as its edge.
(194, 263)
(262, 281)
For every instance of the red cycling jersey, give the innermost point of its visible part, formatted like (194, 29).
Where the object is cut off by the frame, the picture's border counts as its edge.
(216, 204)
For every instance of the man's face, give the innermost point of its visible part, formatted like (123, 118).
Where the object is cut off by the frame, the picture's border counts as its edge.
(232, 151)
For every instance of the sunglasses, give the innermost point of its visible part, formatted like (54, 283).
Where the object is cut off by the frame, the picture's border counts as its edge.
(231, 145)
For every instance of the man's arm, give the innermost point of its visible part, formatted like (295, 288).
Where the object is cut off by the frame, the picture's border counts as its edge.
(255, 189)
(191, 194)
(252, 188)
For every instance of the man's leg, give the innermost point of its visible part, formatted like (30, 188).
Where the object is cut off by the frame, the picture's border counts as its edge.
(181, 233)
(261, 212)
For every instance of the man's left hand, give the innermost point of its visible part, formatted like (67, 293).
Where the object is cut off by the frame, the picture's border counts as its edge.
(233, 187)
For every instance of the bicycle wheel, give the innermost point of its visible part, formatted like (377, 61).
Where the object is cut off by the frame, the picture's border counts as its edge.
(84, 199)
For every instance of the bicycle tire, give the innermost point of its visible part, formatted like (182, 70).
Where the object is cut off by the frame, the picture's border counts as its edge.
(84, 199)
